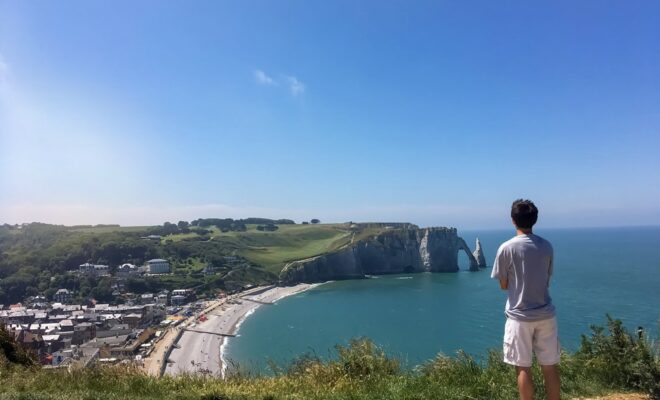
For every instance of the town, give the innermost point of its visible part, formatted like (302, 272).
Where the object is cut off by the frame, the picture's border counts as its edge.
(62, 334)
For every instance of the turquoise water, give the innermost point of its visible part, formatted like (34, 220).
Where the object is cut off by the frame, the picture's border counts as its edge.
(416, 316)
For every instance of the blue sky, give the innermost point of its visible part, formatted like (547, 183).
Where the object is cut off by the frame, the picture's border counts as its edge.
(438, 113)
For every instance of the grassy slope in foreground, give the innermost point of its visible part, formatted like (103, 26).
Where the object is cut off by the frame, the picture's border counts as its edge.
(605, 363)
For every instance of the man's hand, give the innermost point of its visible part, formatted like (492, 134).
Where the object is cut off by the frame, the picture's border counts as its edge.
(504, 284)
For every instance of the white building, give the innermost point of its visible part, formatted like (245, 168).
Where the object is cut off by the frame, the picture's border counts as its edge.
(125, 270)
(158, 266)
(86, 269)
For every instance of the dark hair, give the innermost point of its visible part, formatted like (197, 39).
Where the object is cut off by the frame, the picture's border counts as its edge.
(524, 213)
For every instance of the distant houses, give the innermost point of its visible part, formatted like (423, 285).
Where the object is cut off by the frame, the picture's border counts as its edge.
(155, 266)
(74, 334)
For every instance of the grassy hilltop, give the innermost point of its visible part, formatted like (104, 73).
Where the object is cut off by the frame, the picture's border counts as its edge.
(272, 250)
(38, 259)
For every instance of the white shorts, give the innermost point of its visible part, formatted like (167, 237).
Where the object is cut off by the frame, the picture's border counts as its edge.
(521, 339)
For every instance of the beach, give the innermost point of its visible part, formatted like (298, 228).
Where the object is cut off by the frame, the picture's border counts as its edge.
(201, 345)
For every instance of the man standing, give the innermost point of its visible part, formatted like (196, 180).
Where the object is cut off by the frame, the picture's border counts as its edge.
(523, 265)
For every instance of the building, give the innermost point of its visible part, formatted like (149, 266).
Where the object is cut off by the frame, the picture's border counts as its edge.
(94, 270)
(178, 300)
(62, 296)
(86, 269)
(147, 298)
(83, 332)
(132, 320)
(163, 297)
(182, 296)
(158, 266)
(126, 270)
(101, 270)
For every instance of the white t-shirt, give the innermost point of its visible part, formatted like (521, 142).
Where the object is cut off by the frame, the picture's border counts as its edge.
(526, 262)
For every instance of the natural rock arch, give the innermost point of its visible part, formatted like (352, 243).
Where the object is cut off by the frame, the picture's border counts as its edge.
(439, 248)
(474, 266)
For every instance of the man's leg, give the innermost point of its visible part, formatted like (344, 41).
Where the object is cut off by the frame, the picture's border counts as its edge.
(525, 383)
(552, 382)
(518, 352)
(546, 346)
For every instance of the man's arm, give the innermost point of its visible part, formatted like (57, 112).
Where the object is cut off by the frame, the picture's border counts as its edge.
(501, 267)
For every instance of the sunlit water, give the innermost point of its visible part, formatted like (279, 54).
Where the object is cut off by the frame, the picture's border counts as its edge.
(416, 316)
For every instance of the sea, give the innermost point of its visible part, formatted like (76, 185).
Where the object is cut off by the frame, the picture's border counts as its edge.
(598, 271)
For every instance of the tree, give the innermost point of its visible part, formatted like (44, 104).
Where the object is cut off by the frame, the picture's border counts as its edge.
(315, 221)
(183, 225)
(169, 228)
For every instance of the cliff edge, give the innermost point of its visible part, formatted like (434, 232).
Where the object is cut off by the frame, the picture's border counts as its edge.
(400, 248)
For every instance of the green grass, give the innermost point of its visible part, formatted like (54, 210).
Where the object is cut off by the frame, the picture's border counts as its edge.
(272, 250)
(361, 371)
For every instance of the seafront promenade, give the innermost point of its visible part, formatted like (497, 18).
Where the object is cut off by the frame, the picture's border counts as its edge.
(196, 344)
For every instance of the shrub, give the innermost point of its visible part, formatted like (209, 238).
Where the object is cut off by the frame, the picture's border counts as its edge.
(362, 358)
(11, 352)
(620, 360)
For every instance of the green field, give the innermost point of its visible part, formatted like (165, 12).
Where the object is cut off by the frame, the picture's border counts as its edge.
(272, 250)
(291, 242)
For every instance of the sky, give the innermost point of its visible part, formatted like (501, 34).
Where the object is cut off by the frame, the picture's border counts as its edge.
(436, 113)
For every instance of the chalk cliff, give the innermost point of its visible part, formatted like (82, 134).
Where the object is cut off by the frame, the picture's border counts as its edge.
(479, 255)
(404, 248)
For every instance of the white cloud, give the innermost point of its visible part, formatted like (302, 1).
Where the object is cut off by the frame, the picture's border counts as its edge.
(295, 85)
(263, 78)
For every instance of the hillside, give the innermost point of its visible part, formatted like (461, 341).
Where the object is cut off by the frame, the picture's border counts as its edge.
(38, 259)
(271, 250)
(608, 361)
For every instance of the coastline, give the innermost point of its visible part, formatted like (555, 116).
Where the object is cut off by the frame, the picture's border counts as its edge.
(271, 295)
(203, 350)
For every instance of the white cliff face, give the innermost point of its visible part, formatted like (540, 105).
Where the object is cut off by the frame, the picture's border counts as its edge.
(424, 250)
(406, 249)
(479, 255)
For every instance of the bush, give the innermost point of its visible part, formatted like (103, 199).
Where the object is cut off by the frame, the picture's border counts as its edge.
(606, 362)
(620, 360)
(362, 358)
(11, 353)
